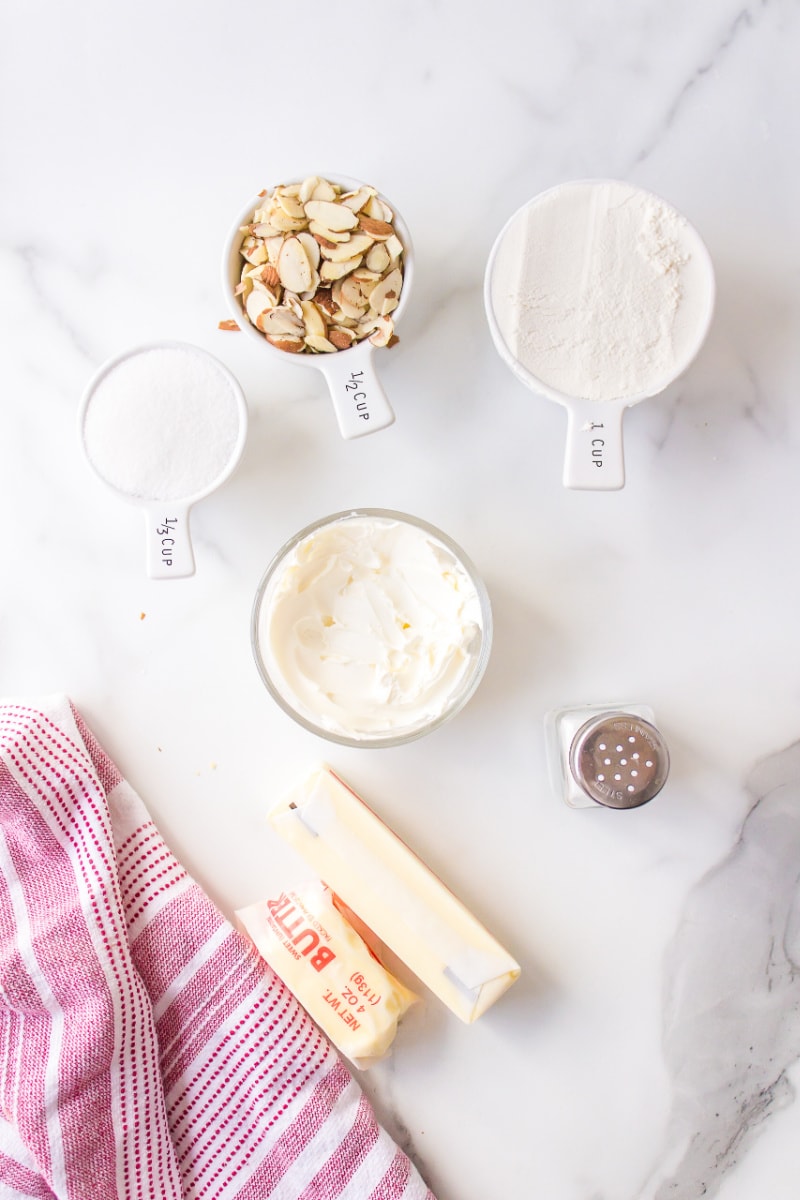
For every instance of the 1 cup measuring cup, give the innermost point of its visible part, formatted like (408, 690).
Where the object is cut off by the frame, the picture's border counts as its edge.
(164, 425)
(598, 296)
(359, 400)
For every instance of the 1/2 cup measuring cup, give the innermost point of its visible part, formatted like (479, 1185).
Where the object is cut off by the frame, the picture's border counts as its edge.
(359, 400)
(163, 426)
(598, 296)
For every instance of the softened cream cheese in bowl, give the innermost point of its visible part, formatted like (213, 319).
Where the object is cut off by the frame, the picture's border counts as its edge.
(371, 628)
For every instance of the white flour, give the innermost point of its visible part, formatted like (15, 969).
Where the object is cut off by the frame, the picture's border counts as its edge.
(162, 424)
(588, 290)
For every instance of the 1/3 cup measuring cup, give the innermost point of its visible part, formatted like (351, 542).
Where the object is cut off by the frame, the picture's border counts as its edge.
(359, 400)
(598, 295)
(163, 426)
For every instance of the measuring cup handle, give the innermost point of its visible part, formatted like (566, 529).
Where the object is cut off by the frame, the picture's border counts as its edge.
(169, 546)
(594, 458)
(359, 400)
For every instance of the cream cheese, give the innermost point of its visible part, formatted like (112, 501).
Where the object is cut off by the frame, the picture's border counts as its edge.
(370, 625)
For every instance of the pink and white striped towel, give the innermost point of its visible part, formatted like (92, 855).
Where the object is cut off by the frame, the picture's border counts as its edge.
(145, 1051)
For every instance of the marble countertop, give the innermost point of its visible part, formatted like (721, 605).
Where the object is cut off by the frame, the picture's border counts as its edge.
(651, 1046)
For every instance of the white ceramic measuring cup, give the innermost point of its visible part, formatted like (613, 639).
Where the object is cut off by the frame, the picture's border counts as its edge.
(359, 401)
(111, 435)
(594, 458)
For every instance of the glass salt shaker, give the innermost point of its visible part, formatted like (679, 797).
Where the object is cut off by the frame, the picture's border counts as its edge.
(606, 755)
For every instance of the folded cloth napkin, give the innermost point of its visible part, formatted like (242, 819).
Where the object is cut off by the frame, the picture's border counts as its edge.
(145, 1050)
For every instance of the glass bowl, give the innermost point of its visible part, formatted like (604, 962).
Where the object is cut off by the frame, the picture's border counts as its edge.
(371, 628)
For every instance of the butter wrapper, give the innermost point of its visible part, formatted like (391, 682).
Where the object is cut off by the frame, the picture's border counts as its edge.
(339, 982)
(404, 904)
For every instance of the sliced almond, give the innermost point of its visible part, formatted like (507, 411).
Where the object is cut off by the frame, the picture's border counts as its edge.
(307, 188)
(274, 297)
(356, 294)
(367, 325)
(336, 270)
(321, 344)
(394, 246)
(258, 302)
(278, 322)
(313, 319)
(384, 331)
(377, 208)
(254, 251)
(346, 309)
(255, 282)
(228, 325)
(366, 277)
(291, 206)
(357, 200)
(325, 301)
(385, 296)
(311, 247)
(311, 290)
(340, 337)
(292, 345)
(285, 224)
(265, 229)
(357, 244)
(274, 245)
(270, 276)
(294, 304)
(378, 258)
(255, 274)
(294, 268)
(324, 234)
(323, 241)
(333, 216)
(378, 230)
(323, 191)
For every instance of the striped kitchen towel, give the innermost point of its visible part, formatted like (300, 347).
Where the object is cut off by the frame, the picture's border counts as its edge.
(145, 1050)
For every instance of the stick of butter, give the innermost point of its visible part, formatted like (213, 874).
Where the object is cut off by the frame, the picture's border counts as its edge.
(395, 894)
(339, 982)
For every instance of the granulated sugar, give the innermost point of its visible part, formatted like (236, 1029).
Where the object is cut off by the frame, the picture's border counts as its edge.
(588, 290)
(162, 424)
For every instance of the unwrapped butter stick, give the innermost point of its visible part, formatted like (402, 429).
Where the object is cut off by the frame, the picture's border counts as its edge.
(395, 894)
(339, 982)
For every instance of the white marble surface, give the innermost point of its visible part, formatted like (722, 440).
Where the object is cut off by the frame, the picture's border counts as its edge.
(651, 1048)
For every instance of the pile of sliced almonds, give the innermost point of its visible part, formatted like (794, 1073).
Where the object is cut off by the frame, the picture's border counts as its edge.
(323, 267)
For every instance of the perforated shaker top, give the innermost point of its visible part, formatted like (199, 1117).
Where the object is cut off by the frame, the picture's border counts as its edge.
(620, 760)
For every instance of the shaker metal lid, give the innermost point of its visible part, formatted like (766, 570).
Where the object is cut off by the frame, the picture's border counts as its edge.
(620, 760)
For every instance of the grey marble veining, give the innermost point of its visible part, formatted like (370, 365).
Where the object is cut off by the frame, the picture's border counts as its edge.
(732, 990)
